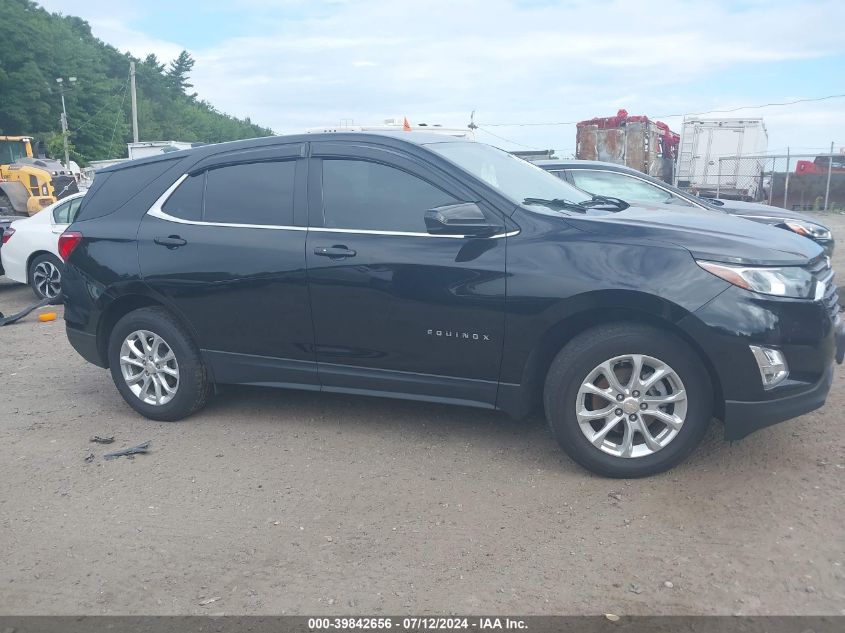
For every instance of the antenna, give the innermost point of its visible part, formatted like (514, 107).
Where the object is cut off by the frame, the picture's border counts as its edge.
(472, 124)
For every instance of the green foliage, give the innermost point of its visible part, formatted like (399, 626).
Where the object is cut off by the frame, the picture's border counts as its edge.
(37, 46)
(54, 141)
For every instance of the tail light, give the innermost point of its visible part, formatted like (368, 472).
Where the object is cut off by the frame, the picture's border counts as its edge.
(9, 232)
(68, 241)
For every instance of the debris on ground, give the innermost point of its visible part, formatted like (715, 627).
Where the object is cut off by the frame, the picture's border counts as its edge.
(6, 320)
(89, 458)
(612, 617)
(47, 316)
(209, 601)
(128, 452)
(101, 439)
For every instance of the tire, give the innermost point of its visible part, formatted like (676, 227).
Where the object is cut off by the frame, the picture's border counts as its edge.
(684, 394)
(45, 277)
(190, 387)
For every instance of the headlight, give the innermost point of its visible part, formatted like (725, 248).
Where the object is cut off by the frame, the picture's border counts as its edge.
(808, 229)
(786, 281)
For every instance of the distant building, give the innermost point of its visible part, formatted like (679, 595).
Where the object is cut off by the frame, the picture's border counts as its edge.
(396, 124)
(142, 149)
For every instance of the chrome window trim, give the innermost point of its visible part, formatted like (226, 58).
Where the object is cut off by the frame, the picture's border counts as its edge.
(626, 174)
(156, 211)
(405, 233)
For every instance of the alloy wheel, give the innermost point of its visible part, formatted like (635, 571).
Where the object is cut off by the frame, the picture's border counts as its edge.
(149, 367)
(47, 279)
(631, 406)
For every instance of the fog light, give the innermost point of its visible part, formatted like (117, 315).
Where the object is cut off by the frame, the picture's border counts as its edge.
(772, 364)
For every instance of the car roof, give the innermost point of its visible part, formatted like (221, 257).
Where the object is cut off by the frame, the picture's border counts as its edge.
(413, 138)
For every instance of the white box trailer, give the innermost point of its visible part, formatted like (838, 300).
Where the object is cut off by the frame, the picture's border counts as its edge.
(705, 141)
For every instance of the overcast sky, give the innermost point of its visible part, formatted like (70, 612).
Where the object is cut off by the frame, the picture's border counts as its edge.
(295, 64)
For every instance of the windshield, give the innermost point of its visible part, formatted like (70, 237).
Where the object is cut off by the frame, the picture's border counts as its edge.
(514, 177)
(11, 151)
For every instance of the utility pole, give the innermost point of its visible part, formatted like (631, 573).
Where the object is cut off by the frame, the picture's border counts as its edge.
(65, 131)
(829, 169)
(134, 102)
(786, 180)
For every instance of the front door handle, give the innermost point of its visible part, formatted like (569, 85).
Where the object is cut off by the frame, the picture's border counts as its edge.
(171, 241)
(334, 252)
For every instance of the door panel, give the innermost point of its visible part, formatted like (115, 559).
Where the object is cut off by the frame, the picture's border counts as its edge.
(242, 288)
(407, 312)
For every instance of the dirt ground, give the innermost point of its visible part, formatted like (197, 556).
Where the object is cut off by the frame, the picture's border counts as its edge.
(275, 502)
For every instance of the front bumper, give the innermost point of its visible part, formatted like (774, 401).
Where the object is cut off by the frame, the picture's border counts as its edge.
(806, 333)
(743, 418)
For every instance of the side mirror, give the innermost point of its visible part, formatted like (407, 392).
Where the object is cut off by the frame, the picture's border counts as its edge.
(464, 218)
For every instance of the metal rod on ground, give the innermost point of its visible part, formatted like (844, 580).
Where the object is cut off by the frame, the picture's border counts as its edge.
(786, 180)
(134, 102)
(829, 169)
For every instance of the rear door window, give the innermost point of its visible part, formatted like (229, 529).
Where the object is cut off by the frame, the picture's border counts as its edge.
(252, 193)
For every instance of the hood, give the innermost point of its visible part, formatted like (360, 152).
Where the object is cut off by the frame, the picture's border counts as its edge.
(755, 209)
(706, 234)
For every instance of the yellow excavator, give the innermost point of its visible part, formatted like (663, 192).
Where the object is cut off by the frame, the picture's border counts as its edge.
(29, 184)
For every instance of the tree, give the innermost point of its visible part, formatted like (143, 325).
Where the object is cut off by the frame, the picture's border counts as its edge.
(180, 71)
(98, 105)
(55, 143)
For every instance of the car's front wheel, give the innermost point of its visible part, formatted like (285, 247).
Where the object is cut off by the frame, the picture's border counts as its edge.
(45, 277)
(627, 400)
(156, 365)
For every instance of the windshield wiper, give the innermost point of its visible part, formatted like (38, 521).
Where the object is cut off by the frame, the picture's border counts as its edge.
(604, 202)
(557, 204)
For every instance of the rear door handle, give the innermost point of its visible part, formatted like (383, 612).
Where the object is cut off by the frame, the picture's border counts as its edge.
(334, 252)
(171, 241)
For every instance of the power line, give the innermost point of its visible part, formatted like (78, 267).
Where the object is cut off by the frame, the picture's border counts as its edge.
(117, 118)
(478, 127)
(684, 114)
(100, 111)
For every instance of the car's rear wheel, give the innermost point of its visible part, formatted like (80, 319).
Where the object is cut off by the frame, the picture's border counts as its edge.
(156, 365)
(627, 400)
(45, 277)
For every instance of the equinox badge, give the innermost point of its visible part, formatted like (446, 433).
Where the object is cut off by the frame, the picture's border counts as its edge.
(469, 336)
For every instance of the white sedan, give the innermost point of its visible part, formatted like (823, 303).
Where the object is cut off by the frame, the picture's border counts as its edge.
(30, 249)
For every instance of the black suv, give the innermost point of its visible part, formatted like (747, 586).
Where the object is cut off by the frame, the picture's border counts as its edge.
(424, 267)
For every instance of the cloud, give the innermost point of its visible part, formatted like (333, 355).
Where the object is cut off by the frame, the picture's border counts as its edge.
(306, 64)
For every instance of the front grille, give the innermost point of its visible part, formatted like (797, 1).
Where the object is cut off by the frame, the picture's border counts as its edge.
(64, 186)
(821, 270)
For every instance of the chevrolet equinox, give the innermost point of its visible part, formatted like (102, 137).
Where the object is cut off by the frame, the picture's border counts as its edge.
(430, 268)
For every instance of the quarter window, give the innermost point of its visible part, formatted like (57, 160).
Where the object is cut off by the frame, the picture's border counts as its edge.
(253, 193)
(60, 213)
(364, 195)
(186, 202)
(65, 213)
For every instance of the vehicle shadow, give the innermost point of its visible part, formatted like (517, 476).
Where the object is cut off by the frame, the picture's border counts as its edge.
(527, 439)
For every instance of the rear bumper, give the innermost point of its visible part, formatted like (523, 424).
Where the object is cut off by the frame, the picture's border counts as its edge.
(743, 418)
(86, 345)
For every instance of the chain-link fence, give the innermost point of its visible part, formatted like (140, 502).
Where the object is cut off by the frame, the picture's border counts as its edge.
(808, 182)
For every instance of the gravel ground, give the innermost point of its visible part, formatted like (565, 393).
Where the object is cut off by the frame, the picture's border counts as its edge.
(273, 502)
